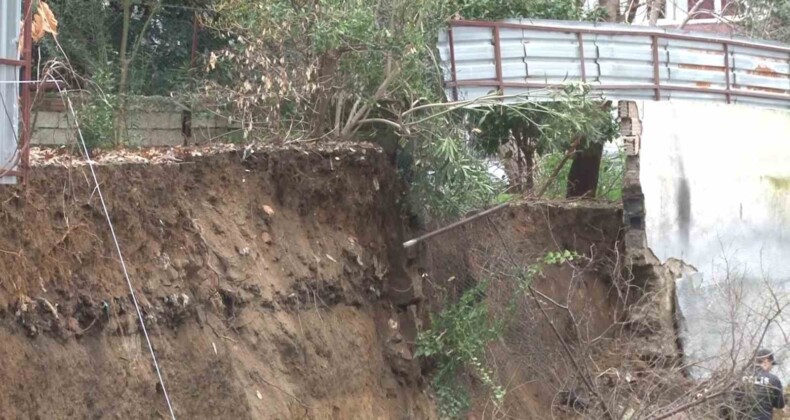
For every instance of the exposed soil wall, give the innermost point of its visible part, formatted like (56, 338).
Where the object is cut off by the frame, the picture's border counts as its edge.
(264, 283)
(531, 364)
(274, 286)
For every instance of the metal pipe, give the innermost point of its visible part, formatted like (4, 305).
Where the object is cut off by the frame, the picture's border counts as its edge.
(656, 70)
(27, 75)
(12, 172)
(580, 39)
(453, 74)
(641, 86)
(10, 62)
(452, 226)
(727, 72)
(498, 59)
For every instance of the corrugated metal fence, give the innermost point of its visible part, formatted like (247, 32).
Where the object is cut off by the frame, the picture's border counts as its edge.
(10, 16)
(526, 58)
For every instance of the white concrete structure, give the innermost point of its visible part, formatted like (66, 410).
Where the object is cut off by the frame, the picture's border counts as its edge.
(716, 180)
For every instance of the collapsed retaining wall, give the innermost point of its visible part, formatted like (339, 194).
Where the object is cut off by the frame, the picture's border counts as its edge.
(650, 285)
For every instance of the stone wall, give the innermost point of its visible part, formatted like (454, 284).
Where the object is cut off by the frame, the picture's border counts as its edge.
(652, 315)
(152, 121)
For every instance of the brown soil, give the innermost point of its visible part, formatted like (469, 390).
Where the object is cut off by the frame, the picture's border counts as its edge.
(273, 286)
(262, 282)
(530, 360)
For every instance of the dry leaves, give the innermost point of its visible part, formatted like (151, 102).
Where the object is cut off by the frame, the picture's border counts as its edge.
(70, 156)
(44, 22)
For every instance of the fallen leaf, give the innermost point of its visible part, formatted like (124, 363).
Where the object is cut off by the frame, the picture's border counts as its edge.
(50, 24)
(268, 210)
(37, 32)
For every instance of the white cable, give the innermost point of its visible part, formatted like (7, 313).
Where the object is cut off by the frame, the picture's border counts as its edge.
(19, 82)
(120, 255)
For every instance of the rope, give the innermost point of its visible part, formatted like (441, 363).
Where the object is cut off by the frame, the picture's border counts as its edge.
(118, 250)
(19, 82)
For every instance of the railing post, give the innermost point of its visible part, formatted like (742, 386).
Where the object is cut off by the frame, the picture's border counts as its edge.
(498, 60)
(656, 71)
(452, 62)
(580, 39)
(27, 76)
(727, 72)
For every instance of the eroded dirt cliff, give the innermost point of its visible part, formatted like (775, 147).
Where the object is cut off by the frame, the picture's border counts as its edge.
(275, 286)
(263, 280)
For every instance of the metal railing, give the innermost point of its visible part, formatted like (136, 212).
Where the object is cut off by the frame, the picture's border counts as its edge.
(15, 89)
(663, 64)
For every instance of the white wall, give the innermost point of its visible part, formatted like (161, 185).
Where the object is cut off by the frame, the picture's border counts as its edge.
(716, 180)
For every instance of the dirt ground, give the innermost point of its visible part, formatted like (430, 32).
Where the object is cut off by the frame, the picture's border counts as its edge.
(262, 281)
(274, 286)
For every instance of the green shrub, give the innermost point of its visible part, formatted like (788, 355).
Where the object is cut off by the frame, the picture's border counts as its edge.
(457, 340)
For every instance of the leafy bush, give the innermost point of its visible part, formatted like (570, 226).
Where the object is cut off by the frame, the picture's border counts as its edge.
(448, 178)
(610, 185)
(97, 114)
(767, 19)
(457, 340)
(461, 332)
(351, 68)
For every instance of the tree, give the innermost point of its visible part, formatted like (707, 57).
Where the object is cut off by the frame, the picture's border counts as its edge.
(586, 166)
(572, 122)
(91, 33)
(120, 48)
(568, 123)
(767, 19)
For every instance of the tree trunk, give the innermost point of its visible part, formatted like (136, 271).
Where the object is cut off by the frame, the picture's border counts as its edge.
(521, 136)
(126, 62)
(529, 157)
(584, 172)
(586, 165)
(612, 8)
(120, 117)
(327, 66)
(512, 162)
(656, 6)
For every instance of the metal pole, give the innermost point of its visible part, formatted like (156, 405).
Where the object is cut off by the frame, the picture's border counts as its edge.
(580, 39)
(451, 40)
(656, 71)
(27, 75)
(452, 226)
(727, 71)
(498, 59)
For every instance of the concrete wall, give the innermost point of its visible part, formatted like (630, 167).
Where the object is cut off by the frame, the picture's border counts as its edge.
(154, 121)
(716, 181)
